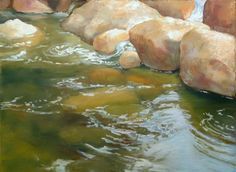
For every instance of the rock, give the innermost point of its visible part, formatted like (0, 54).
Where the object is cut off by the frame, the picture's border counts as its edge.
(129, 109)
(96, 17)
(208, 61)
(108, 41)
(157, 41)
(106, 76)
(174, 8)
(20, 32)
(4, 4)
(101, 97)
(32, 6)
(129, 59)
(221, 15)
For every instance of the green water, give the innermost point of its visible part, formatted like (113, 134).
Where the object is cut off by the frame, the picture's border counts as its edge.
(63, 107)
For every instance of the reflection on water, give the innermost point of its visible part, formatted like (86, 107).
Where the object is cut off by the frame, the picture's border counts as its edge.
(117, 120)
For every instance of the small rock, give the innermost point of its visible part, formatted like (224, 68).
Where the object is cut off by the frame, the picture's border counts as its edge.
(174, 8)
(208, 61)
(16, 30)
(32, 6)
(129, 59)
(221, 15)
(108, 41)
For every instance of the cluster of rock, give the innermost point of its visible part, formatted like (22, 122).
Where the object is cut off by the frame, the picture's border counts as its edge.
(206, 58)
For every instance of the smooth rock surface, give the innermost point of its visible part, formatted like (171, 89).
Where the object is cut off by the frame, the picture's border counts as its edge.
(221, 15)
(32, 6)
(101, 97)
(208, 61)
(108, 41)
(173, 8)
(129, 59)
(97, 16)
(107, 76)
(18, 31)
(157, 41)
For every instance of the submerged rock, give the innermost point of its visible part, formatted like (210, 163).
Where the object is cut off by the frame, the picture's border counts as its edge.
(20, 32)
(108, 41)
(101, 97)
(174, 8)
(83, 135)
(208, 61)
(221, 15)
(157, 41)
(4, 4)
(105, 76)
(129, 59)
(32, 6)
(98, 16)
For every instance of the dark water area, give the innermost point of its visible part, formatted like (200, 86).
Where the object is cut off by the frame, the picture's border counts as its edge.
(64, 107)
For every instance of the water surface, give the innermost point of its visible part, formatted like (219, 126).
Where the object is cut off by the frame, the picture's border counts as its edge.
(64, 107)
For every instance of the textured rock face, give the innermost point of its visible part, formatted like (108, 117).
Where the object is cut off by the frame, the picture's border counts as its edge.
(108, 41)
(208, 61)
(157, 41)
(173, 8)
(31, 6)
(4, 4)
(16, 30)
(221, 15)
(96, 17)
(129, 59)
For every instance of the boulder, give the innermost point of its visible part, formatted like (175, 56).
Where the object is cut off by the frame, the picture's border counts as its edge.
(221, 15)
(4, 4)
(101, 97)
(129, 59)
(157, 41)
(174, 8)
(20, 33)
(108, 41)
(208, 61)
(32, 6)
(96, 17)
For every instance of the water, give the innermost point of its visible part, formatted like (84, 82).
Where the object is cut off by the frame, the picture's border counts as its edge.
(64, 107)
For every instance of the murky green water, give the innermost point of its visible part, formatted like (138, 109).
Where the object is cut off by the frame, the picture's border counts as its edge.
(63, 107)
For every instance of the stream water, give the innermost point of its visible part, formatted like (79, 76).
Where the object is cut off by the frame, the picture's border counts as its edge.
(64, 107)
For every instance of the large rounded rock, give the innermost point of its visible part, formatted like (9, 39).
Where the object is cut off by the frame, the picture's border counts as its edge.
(157, 41)
(174, 8)
(4, 4)
(97, 16)
(221, 15)
(20, 33)
(208, 61)
(108, 41)
(32, 6)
